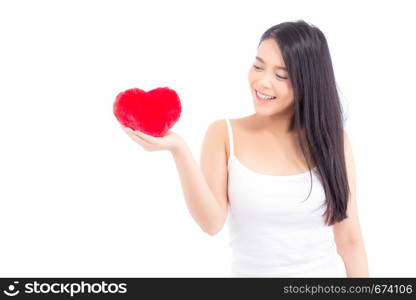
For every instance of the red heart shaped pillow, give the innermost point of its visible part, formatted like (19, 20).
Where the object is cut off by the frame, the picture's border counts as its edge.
(153, 112)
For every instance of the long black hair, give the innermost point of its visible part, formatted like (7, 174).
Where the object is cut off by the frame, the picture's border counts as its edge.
(318, 115)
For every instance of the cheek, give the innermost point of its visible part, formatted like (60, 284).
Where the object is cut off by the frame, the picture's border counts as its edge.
(285, 91)
(250, 76)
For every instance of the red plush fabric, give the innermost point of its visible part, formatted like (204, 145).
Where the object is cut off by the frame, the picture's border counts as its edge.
(153, 112)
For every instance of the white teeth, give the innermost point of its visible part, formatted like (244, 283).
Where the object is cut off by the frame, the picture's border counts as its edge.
(263, 96)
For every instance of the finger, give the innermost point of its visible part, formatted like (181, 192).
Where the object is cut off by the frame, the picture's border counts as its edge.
(125, 129)
(144, 136)
(130, 131)
(136, 138)
(146, 146)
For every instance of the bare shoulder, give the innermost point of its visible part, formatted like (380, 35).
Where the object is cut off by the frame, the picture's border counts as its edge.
(216, 133)
(220, 130)
(236, 126)
(214, 162)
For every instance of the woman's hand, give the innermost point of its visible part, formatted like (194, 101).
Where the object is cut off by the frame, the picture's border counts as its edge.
(171, 141)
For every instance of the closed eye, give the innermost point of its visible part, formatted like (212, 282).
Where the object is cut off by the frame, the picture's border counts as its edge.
(258, 68)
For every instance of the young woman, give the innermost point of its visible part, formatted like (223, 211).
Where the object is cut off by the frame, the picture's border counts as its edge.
(283, 177)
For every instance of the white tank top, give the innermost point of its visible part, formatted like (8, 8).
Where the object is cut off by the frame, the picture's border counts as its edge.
(272, 230)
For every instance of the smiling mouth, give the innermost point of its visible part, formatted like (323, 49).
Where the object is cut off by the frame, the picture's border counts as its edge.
(263, 100)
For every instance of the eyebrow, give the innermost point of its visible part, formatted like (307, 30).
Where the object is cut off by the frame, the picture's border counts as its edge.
(261, 60)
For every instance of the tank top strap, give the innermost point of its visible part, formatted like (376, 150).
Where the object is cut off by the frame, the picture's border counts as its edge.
(230, 136)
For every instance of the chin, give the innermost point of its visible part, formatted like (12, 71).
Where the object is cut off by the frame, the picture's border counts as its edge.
(265, 112)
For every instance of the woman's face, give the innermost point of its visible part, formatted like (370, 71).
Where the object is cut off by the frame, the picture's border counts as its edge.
(268, 76)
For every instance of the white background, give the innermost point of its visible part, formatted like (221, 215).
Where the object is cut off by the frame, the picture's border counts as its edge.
(80, 198)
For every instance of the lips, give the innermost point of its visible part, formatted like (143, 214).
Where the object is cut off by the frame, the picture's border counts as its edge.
(261, 100)
(264, 94)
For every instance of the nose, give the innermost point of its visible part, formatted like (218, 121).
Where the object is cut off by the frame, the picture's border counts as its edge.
(265, 81)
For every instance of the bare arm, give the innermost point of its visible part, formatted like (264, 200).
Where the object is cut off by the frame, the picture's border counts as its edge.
(348, 236)
(202, 205)
(205, 186)
(355, 259)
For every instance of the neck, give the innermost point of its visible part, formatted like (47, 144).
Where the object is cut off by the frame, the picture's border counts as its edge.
(277, 125)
